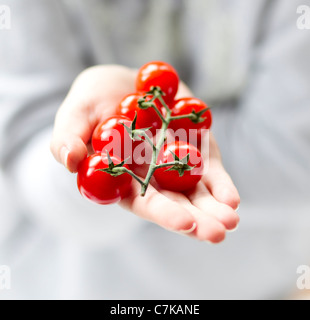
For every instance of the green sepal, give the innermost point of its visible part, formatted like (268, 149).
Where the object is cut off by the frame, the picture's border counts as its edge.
(182, 165)
(155, 89)
(135, 134)
(142, 104)
(196, 117)
(111, 169)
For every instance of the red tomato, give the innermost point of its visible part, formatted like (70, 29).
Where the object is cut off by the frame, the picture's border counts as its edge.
(110, 135)
(157, 73)
(145, 117)
(186, 106)
(101, 187)
(171, 180)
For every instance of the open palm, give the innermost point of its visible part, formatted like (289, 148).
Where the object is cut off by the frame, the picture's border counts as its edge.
(205, 212)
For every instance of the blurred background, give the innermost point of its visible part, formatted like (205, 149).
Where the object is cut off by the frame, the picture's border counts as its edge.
(249, 61)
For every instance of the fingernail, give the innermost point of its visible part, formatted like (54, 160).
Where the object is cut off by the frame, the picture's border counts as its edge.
(189, 230)
(64, 156)
(208, 242)
(233, 230)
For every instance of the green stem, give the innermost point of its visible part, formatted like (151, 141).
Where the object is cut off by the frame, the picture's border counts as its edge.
(147, 138)
(162, 101)
(159, 145)
(158, 113)
(156, 94)
(125, 170)
(185, 116)
(151, 104)
(168, 164)
(192, 116)
(160, 142)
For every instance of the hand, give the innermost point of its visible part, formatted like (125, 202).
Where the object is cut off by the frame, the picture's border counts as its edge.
(204, 213)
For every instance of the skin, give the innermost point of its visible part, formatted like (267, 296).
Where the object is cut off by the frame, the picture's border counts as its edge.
(205, 213)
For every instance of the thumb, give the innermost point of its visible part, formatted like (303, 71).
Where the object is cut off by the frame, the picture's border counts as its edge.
(72, 131)
(92, 98)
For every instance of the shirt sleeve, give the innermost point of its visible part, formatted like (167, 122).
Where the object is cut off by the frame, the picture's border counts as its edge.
(265, 139)
(39, 57)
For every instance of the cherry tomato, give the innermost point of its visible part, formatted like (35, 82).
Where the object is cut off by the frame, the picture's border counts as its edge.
(110, 135)
(186, 106)
(145, 117)
(157, 73)
(101, 187)
(171, 180)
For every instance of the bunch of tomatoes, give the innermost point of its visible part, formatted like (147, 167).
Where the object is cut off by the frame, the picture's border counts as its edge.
(143, 119)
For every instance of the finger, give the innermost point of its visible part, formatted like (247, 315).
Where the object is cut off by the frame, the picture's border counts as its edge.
(207, 228)
(159, 209)
(217, 180)
(221, 187)
(201, 198)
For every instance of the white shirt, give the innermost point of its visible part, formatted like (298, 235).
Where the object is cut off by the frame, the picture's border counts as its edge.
(248, 60)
